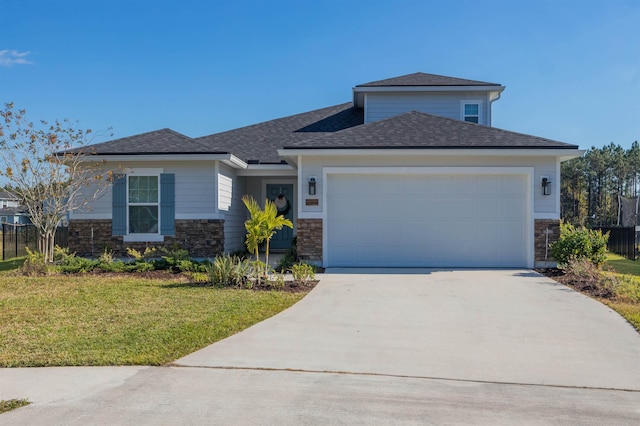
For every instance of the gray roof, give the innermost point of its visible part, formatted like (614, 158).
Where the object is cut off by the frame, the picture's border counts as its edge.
(4, 195)
(423, 79)
(163, 141)
(419, 130)
(260, 142)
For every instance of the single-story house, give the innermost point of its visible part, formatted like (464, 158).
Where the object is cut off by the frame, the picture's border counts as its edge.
(410, 173)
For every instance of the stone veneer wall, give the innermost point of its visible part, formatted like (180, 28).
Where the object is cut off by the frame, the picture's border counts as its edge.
(309, 239)
(540, 237)
(203, 238)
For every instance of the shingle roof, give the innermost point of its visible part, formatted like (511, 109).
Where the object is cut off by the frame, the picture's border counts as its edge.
(5, 195)
(423, 79)
(260, 142)
(163, 141)
(419, 130)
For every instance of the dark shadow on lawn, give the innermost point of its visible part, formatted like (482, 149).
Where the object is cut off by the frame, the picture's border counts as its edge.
(188, 285)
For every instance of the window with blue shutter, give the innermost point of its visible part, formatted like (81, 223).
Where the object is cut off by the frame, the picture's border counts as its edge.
(119, 205)
(167, 204)
(143, 205)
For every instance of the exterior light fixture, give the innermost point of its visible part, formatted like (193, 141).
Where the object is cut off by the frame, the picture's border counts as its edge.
(312, 185)
(546, 186)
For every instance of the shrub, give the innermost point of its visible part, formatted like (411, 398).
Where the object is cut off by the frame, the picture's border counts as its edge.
(228, 271)
(140, 256)
(287, 261)
(74, 265)
(585, 276)
(303, 272)
(579, 243)
(290, 257)
(172, 257)
(34, 264)
(275, 281)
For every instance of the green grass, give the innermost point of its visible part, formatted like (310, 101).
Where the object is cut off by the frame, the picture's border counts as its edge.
(12, 404)
(628, 290)
(622, 265)
(120, 320)
(11, 264)
(630, 311)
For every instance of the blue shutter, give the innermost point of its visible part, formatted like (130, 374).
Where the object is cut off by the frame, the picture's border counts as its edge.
(167, 204)
(119, 205)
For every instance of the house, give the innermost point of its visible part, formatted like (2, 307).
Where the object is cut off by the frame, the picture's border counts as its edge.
(410, 173)
(11, 211)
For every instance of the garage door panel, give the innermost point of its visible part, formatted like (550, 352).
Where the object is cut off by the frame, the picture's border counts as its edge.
(426, 220)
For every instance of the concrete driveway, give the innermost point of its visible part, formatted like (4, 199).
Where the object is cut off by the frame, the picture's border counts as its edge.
(483, 325)
(377, 347)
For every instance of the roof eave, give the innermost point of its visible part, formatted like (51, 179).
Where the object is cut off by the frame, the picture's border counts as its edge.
(226, 158)
(359, 91)
(562, 153)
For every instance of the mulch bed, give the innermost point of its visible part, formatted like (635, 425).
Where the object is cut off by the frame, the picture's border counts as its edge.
(185, 279)
(588, 287)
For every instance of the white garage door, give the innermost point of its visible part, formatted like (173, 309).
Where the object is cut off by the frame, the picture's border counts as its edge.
(427, 220)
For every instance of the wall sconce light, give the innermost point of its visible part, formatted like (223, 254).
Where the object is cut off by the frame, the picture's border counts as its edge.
(312, 185)
(546, 186)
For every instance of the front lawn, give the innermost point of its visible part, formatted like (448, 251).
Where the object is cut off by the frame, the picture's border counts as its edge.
(628, 303)
(67, 320)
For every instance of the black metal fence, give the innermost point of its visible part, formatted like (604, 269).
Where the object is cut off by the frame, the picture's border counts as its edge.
(622, 241)
(16, 238)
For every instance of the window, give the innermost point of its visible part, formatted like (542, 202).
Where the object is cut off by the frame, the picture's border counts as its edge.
(143, 204)
(471, 111)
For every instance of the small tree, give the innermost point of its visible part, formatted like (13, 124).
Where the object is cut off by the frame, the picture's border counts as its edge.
(273, 222)
(256, 232)
(48, 171)
(262, 225)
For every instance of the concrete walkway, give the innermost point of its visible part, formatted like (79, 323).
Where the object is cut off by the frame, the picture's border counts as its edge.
(376, 347)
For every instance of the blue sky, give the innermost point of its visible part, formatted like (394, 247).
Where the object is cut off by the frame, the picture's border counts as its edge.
(571, 67)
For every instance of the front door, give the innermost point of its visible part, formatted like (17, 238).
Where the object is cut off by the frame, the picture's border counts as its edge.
(282, 195)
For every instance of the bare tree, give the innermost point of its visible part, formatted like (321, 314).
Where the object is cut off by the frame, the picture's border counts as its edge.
(46, 167)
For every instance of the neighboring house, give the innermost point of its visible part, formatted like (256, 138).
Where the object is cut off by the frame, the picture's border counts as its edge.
(409, 174)
(11, 211)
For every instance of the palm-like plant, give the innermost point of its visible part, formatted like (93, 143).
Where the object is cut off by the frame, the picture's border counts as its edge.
(272, 222)
(262, 225)
(256, 232)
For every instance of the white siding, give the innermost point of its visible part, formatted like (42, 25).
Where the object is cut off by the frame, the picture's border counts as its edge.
(195, 191)
(231, 188)
(543, 166)
(379, 106)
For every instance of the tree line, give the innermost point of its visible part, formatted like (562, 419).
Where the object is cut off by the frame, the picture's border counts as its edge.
(592, 183)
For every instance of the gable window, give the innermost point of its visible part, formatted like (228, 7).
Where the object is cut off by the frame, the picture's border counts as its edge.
(471, 111)
(143, 205)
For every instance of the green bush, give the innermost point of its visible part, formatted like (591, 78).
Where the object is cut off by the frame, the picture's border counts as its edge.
(173, 256)
(579, 243)
(228, 271)
(303, 272)
(34, 264)
(75, 265)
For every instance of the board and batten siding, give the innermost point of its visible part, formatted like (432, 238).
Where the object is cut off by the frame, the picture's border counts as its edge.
(231, 188)
(379, 106)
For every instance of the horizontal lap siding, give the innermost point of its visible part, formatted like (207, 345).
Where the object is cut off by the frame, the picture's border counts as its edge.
(543, 166)
(194, 189)
(381, 106)
(231, 188)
